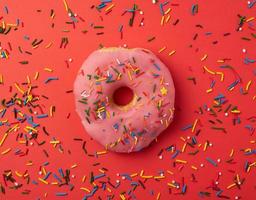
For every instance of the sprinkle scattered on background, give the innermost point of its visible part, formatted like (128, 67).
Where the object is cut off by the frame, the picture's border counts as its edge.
(209, 150)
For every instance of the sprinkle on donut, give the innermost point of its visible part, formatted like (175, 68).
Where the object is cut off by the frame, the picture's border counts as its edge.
(128, 127)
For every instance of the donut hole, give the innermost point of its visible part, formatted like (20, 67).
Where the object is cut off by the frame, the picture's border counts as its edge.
(122, 96)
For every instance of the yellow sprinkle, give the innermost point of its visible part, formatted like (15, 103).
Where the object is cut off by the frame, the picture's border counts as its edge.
(181, 161)
(83, 179)
(1, 79)
(248, 85)
(44, 171)
(3, 24)
(73, 166)
(167, 11)
(171, 185)
(48, 69)
(231, 153)
(109, 190)
(28, 80)
(43, 181)
(254, 97)
(214, 73)
(3, 139)
(53, 15)
(18, 88)
(170, 172)
(205, 146)
(162, 49)
(141, 172)
(204, 57)
(184, 147)
(220, 61)
(147, 177)
(235, 111)
(158, 196)
(35, 47)
(232, 185)
(101, 152)
(209, 71)
(194, 125)
(29, 163)
(221, 76)
(253, 141)
(162, 21)
(183, 139)
(65, 5)
(48, 45)
(194, 167)
(250, 19)
(159, 177)
(6, 151)
(162, 80)
(36, 75)
(12, 25)
(122, 196)
(55, 142)
(237, 178)
(109, 8)
(29, 128)
(167, 19)
(133, 175)
(13, 128)
(209, 90)
(85, 189)
(159, 103)
(172, 52)
(129, 74)
(30, 97)
(51, 111)
(8, 174)
(18, 174)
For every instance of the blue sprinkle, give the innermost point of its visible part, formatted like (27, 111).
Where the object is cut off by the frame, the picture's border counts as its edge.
(219, 193)
(250, 5)
(211, 161)
(184, 188)
(51, 79)
(186, 127)
(99, 176)
(61, 172)
(106, 1)
(61, 194)
(57, 178)
(161, 9)
(42, 116)
(47, 176)
(176, 153)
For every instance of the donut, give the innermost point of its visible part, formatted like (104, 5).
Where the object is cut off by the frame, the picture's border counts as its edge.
(131, 127)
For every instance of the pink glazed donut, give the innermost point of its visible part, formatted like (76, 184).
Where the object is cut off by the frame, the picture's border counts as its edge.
(134, 126)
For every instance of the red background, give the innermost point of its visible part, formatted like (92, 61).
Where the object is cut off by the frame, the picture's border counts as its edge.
(218, 17)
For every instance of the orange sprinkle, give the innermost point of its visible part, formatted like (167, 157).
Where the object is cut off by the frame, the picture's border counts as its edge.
(172, 52)
(162, 49)
(3, 139)
(204, 57)
(6, 151)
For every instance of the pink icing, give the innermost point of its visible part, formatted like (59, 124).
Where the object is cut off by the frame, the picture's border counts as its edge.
(135, 126)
